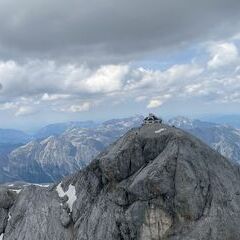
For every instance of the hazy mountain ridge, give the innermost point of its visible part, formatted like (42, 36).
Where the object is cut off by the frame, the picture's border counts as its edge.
(56, 129)
(232, 120)
(13, 136)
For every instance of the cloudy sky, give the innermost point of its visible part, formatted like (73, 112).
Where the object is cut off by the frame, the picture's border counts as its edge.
(89, 59)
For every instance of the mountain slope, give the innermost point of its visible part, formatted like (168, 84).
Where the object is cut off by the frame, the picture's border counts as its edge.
(156, 182)
(223, 138)
(50, 159)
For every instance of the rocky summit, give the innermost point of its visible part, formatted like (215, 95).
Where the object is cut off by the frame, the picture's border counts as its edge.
(156, 182)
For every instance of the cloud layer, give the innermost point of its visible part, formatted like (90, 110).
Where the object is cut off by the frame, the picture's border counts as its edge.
(113, 31)
(26, 88)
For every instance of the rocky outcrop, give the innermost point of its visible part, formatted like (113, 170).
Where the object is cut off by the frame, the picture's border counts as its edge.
(156, 182)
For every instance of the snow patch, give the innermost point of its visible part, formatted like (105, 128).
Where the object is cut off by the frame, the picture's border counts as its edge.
(17, 191)
(60, 191)
(71, 193)
(41, 185)
(1, 236)
(160, 130)
(9, 217)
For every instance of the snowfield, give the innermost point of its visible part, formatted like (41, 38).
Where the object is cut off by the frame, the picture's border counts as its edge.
(70, 193)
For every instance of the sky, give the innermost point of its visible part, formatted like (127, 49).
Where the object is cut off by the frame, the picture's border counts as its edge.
(94, 60)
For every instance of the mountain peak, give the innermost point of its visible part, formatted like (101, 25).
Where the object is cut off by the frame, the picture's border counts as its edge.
(155, 182)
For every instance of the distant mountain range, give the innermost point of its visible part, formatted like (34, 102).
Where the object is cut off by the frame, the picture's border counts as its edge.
(232, 120)
(61, 149)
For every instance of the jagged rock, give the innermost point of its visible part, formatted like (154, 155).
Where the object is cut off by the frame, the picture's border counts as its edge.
(156, 182)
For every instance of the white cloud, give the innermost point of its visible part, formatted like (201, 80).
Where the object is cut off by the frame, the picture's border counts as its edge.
(81, 107)
(154, 103)
(183, 71)
(158, 101)
(7, 106)
(36, 85)
(17, 107)
(54, 97)
(106, 79)
(161, 80)
(222, 54)
(24, 110)
(39, 77)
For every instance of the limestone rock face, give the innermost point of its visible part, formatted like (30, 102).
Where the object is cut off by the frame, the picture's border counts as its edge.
(156, 182)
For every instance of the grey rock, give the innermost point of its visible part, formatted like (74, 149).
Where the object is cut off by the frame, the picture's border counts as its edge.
(3, 219)
(36, 215)
(7, 198)
(177, 189)
(156, 182)
(65, 218)
(223, 138)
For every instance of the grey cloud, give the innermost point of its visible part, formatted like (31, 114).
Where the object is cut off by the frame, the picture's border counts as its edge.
(119, 29)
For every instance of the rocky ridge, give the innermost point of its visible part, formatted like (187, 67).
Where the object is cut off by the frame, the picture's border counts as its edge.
(156, 182)
(223, 138)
